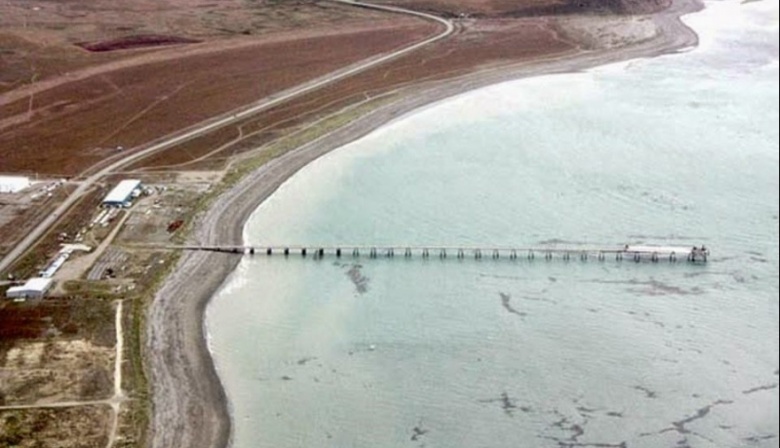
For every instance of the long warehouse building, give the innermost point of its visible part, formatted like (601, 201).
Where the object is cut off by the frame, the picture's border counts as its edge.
(122, 194)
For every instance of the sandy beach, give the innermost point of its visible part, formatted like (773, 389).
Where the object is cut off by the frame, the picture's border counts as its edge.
(190, 408)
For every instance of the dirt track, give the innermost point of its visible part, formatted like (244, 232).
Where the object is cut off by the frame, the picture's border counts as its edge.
(190, 405)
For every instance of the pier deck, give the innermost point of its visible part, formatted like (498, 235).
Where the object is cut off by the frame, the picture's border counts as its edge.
(628, 252)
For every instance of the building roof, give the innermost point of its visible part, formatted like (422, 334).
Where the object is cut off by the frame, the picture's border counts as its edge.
(36, 286)
(122, 192)
(55, 265)
(12, 184)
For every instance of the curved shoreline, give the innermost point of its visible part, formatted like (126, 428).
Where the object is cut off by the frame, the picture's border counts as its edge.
(190, 406)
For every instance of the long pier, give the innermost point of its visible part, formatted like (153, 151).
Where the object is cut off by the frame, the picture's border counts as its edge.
(627, 252)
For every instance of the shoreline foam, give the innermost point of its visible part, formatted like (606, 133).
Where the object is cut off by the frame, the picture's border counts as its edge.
(190, 405)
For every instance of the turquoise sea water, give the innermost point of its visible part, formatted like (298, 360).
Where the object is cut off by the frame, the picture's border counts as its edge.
(681, 149)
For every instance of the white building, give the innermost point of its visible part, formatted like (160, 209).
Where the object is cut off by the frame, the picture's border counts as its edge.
(13, 184)
(121, 195)
(34, 287)
(55, 265)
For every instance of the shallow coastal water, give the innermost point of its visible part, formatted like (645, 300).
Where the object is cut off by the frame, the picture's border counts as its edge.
(680, 149)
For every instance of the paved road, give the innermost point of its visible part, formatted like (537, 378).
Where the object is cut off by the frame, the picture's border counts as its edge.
(267, 103)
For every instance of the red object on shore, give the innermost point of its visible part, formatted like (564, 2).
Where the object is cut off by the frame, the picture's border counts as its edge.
(174, 225)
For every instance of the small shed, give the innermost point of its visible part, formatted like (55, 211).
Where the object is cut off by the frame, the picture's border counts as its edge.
(33, 288)
(121, 195)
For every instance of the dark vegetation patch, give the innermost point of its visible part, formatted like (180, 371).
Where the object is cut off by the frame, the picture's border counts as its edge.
(71, 318)
(132, 42)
